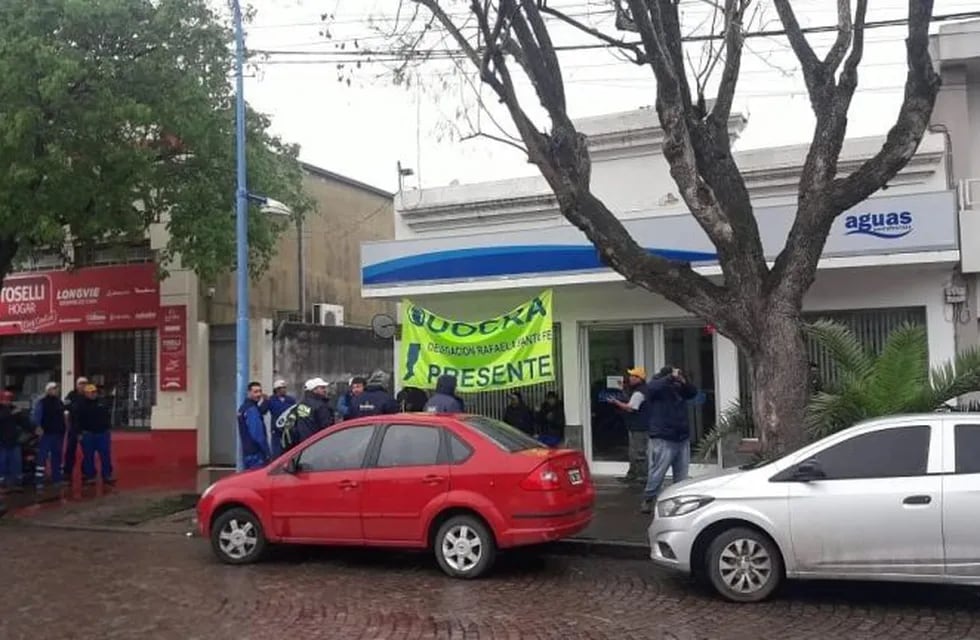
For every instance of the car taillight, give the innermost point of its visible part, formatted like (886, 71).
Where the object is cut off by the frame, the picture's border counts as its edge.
(543, 478)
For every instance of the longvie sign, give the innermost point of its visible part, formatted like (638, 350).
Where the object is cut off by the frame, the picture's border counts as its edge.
(91, 299)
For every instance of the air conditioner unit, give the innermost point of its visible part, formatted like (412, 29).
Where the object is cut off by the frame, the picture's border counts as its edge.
(328, 315)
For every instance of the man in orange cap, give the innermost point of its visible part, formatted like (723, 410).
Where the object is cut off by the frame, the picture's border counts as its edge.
(637, 418)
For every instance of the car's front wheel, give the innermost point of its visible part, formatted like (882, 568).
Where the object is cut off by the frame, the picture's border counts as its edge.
(464, 547)
(744, 565)
(237, 537)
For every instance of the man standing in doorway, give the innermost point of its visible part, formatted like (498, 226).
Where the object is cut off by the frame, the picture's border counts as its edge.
(637, 412)
(49, 417)
(251, 430)
(276, 406)
(92, 420)
(72, 400)
(669, 445)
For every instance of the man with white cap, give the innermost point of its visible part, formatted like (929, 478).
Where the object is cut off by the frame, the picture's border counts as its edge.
(72, 402)
(48, 416)
(314, 413)
(276, 406)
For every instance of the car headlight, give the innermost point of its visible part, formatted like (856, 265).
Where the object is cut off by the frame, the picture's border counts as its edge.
(681, 505)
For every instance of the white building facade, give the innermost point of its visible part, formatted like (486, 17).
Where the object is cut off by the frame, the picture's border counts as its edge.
(474, 251)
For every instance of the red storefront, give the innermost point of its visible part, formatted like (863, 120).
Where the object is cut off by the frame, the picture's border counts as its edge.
(102, 322)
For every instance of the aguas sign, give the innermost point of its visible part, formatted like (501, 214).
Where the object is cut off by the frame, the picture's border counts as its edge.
(888, 226)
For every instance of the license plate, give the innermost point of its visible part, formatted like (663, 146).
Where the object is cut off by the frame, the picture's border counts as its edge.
(575, 476)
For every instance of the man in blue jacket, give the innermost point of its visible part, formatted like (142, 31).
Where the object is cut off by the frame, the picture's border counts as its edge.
(669, 446)
(49, 417)
(276, 406)
(251, 430)
(445, 400)
(375, 400)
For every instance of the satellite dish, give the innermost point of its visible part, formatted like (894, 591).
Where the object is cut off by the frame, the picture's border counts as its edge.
(384, 326)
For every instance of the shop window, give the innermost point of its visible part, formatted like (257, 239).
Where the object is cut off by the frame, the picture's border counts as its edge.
(29, 361)
(871, 326)
(123, 364)
(494, 403)
(41, 260)
(94, 255)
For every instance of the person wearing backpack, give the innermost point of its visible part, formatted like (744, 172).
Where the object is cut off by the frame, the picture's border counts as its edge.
(314, 413)
(276, 406)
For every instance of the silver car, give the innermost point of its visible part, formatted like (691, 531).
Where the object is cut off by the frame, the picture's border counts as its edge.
(891, 499)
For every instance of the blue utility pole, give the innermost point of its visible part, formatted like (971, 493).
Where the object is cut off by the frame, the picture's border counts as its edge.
(241, 227)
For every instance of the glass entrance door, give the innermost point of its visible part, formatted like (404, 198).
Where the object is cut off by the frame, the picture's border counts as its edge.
(611, 352)
(691, 349)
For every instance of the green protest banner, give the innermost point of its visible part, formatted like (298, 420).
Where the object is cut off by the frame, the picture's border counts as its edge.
(512, 350)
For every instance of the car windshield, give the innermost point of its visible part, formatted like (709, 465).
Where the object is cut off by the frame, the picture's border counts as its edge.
(501, 434)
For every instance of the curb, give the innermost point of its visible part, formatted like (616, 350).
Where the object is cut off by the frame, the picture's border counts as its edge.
(620, 550)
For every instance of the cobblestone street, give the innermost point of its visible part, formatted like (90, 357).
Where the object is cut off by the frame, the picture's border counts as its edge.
(88, 585)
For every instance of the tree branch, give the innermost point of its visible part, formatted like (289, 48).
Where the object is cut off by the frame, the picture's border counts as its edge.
(637, 55)
(921, 87)
(844, 30)
(809, 63)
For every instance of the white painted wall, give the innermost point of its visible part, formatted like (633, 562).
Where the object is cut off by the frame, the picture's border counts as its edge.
(834, 290)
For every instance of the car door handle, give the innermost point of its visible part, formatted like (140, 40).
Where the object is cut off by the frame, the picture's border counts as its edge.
(917, 500)
(347, 484)
(433, 479)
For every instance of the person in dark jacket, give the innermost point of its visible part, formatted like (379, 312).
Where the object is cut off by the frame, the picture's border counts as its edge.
(636, 413)
(375, 401)
(12, 427)
(276, 405)
(445, 400)
(354, 388)
(48, 416)
(314, 412)
(551, 420)
(669, 445)
(92, 421)
(518, 415)
(74, 397)
(251, 430)
(411, 400)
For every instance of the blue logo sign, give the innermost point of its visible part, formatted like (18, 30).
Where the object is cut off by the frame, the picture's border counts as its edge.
(888, 226)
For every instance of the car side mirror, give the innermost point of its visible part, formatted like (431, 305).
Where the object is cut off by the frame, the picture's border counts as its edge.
(808, 471)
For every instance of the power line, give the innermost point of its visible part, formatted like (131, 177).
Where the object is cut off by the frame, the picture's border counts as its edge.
(451, 53)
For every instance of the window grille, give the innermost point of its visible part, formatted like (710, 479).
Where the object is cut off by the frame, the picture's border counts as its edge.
(494, 403)
(123, 364)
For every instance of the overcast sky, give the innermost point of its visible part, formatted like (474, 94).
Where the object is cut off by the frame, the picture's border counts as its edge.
(364, 129)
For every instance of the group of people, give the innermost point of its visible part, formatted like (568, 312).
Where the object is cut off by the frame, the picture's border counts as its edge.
(292, 421)
(656, 415)
(54, 428)
(547, 424)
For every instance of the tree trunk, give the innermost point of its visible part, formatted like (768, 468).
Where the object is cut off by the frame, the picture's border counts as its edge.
(779, 383)
(8, 252)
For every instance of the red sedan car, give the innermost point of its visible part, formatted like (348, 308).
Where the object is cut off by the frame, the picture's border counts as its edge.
(461, 485)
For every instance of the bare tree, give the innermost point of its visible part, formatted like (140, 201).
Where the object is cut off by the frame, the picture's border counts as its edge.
(757, 305)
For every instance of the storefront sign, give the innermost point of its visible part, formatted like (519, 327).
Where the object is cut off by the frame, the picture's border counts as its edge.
(90, 299)
(907, 223)
(512, 350)
(173, 348)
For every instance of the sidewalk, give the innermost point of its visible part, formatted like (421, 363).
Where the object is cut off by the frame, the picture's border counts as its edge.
(164, 505)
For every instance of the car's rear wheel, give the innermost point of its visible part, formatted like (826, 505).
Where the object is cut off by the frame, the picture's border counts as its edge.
(464, 547)
(237, 537)
(744, 565)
